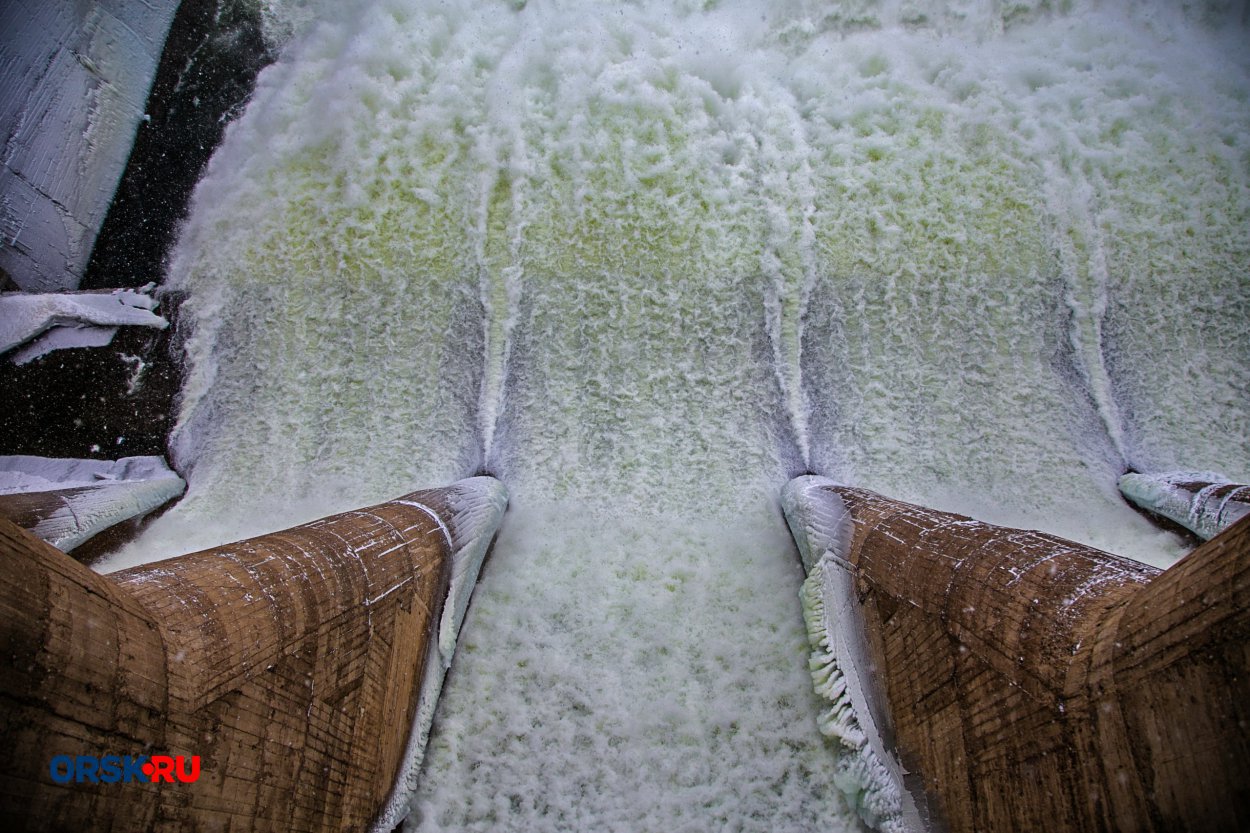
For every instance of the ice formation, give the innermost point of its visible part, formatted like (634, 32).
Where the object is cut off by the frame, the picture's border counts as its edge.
(90, 495)
(478, 504)
(869, 774)
(52, 321)
(1204, 502)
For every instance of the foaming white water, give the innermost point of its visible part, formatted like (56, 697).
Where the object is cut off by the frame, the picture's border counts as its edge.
(628, 675)
(645, 262)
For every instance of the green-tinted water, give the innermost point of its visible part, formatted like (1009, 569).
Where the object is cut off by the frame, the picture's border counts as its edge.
(644, 263)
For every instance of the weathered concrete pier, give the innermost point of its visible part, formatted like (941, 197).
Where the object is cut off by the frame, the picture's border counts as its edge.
(300, 668)
(75, 83)
(1205, 503)
(1012, 680)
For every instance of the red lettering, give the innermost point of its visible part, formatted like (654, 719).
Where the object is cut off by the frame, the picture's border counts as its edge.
(183, 775)
(162, 767)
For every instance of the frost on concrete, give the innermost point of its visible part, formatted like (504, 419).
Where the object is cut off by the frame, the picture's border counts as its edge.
(1204, 502)
(869, 775)
(41, 323)
(478, 504)
(67, 501)
(74, 81)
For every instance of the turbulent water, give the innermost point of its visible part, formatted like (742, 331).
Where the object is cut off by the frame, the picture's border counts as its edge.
(644, 263)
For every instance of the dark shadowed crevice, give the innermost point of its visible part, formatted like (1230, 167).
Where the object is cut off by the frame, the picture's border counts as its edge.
(206, 74)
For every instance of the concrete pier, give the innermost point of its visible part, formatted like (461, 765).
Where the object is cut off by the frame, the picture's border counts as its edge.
(292, 668)
(1018, 681)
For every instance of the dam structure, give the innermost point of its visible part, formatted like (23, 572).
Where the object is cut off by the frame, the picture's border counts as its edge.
(76, 77)
(988, 678)
(645, 263)
(288, 681)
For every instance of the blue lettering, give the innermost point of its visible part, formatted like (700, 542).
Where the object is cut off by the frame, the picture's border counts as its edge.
(110, 769)
(133, 769)
(85, 767)
(61, 768)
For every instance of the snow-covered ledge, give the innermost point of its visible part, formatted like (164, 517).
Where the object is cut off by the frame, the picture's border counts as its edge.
(39, 324)
(66, 501)
(1204, 502)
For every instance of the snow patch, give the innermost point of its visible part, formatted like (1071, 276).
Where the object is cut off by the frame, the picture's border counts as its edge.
(91, 495)
(53, 321)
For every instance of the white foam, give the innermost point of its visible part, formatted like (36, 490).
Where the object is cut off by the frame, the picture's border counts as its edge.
(631, 674)
(651, 260)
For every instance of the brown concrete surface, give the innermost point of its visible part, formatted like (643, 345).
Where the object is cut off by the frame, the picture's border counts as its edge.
(1038, 684)
(290, 663)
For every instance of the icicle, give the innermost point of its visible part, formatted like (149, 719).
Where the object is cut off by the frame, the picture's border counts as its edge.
(866, 783)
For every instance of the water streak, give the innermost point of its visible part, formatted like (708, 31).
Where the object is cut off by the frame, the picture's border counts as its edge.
(644, 261)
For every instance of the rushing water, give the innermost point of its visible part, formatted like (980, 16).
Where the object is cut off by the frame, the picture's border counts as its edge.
(645, 262)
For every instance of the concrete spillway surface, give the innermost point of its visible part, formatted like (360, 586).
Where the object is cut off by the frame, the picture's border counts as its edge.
(645, 263)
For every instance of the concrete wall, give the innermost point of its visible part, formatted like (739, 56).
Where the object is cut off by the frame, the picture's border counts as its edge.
(74, 81)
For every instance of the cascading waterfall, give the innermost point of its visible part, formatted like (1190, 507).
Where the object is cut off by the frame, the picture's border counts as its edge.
(645, 262)
(788, 264)
(1084, 266)
(500, 296)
